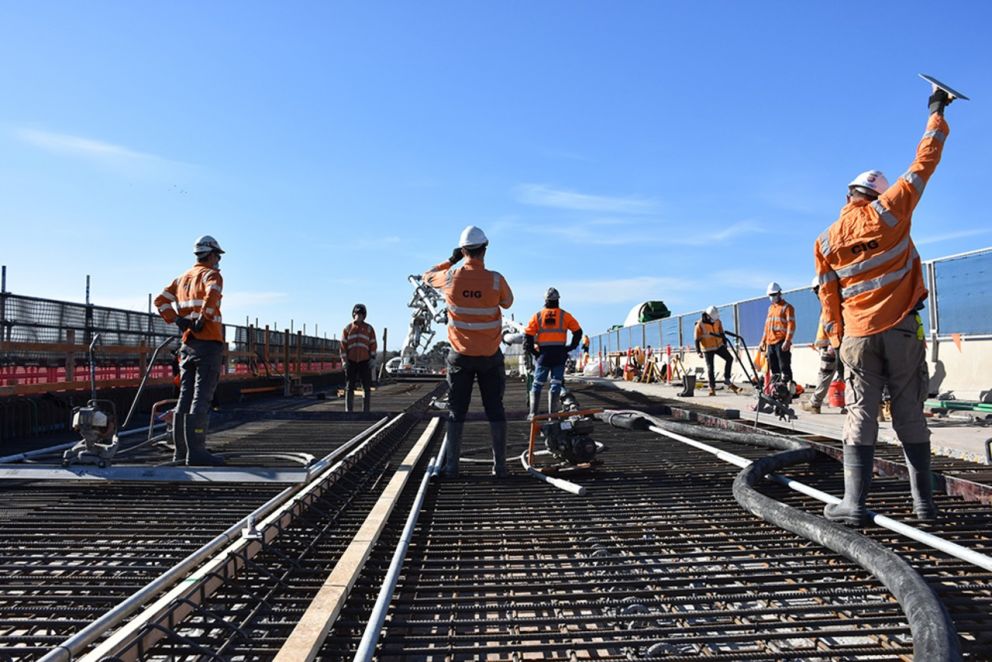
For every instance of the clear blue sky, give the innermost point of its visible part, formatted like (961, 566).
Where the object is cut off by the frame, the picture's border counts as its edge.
(620, 151)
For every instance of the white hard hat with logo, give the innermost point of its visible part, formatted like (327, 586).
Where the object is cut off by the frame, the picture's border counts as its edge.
(713, 312)
(472, 237)
(871, 182)
(773, 288)
(206, 244)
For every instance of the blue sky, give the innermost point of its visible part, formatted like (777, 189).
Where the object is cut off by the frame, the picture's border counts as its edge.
(688, 152)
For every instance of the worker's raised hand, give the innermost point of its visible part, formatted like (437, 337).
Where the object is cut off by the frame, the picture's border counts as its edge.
(939, 100)
(456, 256)
(184, 324)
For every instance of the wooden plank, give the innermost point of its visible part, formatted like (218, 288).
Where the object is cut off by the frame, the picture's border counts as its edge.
(311, 630)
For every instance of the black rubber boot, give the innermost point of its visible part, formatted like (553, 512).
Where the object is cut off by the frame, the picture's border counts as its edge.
(920, 480)
(367, 402)
(179, 439)
(535, 405)
(498, 430)
(196, 441)
(453, 449)
(858, 461)
(349, 401)
(553, 402)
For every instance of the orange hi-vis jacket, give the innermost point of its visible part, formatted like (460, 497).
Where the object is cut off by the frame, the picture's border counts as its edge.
(780, 325)
(358, 342)
(709, 335)
(870, 273)
(474, 296)
(550, 327)
(197, 293)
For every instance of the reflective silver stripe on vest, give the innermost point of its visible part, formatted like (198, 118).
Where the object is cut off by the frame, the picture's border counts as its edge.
(880, 281)
(828, 327)
(827, 277)
(916, 181)
(168, 295)
(466, 310)
(475, 326)
(824, 241)
(190, 303)
(357, 336)
(496, 280)
(215, 287)
(939, 136)
(164, 307)
(352, 346)
(875, 260)
(450, 276)
(886, 215)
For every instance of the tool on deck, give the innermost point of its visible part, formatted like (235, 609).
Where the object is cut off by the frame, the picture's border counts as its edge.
(96, 422)
(777, 398)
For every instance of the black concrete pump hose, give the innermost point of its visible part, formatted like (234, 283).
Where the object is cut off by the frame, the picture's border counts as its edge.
(934, 635)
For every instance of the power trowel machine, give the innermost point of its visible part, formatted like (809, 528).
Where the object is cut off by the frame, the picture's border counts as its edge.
(566, 435)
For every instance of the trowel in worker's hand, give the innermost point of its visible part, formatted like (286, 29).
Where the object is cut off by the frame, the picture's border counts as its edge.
(947, 88)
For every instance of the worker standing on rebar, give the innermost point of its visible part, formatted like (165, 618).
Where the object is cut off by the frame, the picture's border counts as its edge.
(871, 290)
(545, 339)
(358, 348)
(831, 369)
(474, 296)
(585, 351)
(780, 327)
(711, 343)
(192, 302)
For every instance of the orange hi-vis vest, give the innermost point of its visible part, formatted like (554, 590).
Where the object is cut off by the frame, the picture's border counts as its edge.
(780, 325)
(710, 336)
(474, 296)
(870, 273)
(358, 342)
(550, 327)
(197, 293)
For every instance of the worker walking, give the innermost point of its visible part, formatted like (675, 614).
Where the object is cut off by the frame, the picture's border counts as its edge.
(545, 338)
(871, 289)
(780, 327)
(585, 351)
(711, 343)
(192, 302)
(474, 296)
(358, 348)
(831, 369)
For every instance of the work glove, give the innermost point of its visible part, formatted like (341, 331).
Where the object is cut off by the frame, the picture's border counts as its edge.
(184, 324)
(939, 100)
(456, 256)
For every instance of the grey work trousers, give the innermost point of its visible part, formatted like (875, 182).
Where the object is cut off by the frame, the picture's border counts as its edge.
(830, 367)
(199, 372)
(895, 358)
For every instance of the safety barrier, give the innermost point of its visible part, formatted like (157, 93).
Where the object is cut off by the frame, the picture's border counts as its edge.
(959, 307)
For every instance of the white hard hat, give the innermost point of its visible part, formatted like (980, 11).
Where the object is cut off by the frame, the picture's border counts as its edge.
(472, 237)
(815, 282)
(871, 180)
(773, 288)
(206, 244)
(713, 312)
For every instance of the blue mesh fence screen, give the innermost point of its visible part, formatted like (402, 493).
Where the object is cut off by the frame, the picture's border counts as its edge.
(624, 339)
(807, 307)
(752, 314)
(964, 295)
(688, 328)
(652, 334)
(727, 317)
(670, 332)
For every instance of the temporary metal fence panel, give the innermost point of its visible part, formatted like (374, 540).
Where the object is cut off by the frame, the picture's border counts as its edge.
(964, 294)
(652, 334)
(670, 332)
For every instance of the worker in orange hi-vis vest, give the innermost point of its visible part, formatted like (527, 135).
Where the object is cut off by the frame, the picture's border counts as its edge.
(780, 328)
(711, 343)
(545, 337)
(358, 348)
(871, 289)
(474, 296)
(192, 302)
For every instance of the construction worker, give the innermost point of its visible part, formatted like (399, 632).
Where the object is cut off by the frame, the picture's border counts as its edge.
(831, 369)
(545, 339)
(474, 296)
(780, 327)
(871, 289)
(711, 343)
(358, 348)
(585, 351)
(192, 302)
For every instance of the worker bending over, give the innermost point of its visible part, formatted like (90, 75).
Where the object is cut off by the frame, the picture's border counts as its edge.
(358, 348)
(780, 327)
(545, 338)
(830, 368)
(871, 289)
(710, 343)
(192, 302)
(474, 296)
